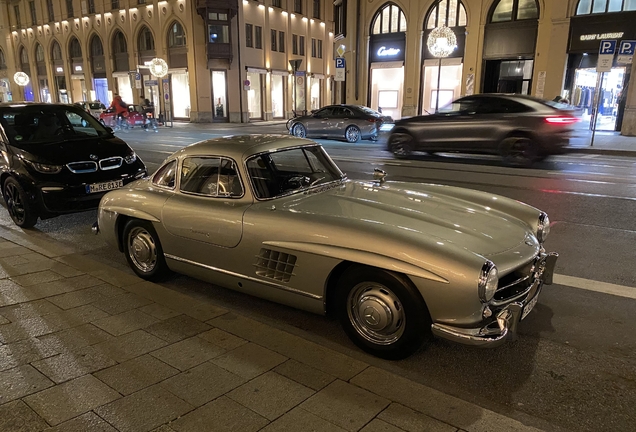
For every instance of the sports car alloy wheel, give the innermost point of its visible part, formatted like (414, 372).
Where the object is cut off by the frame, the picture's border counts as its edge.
(299, 131)
(17, 205)
(143, 250)
(352, 134)
(519, 152)
(376, 313)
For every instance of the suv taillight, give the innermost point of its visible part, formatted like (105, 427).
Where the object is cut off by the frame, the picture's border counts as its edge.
(561, 120)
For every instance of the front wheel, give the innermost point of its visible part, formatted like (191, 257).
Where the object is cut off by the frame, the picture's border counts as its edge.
(382, 313)
(298, 130)
(143, 251)
(352, 134)
(19, 208)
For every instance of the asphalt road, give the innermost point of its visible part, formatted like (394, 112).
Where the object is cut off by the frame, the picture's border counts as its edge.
(574, 365)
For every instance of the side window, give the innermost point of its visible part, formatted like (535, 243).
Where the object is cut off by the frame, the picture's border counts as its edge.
(210, 176)
(338, 112)
(166, 175)
(325, 112)
(80, 124)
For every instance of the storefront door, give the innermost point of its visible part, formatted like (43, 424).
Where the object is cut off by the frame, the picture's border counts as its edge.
(219, 95)
(254, 96)
(278, 96)
(450, 83)
(584, 96)
(181, 95)
(78, 89)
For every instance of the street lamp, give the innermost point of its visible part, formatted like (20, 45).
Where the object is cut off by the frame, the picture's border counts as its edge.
(159, 68)
(21, 79)
(441, 43)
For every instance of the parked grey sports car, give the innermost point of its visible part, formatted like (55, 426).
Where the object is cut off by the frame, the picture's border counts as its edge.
(273, 216)
(351, 122)
(521, 129)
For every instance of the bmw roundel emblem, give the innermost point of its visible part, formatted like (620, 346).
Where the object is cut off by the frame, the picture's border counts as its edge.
(93, 157)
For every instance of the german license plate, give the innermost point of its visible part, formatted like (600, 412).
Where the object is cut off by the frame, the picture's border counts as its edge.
(104, 187)
(530, 305)
(139, 122)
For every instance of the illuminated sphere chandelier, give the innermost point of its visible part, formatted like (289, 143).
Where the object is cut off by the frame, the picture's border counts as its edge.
(442, 41)
(158, 67)
(21, 78)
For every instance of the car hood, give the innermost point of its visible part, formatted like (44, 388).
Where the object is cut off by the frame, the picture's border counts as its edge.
(414, 210)
(75, 150)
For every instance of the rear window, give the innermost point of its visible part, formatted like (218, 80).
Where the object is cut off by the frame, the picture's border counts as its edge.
(96, 106)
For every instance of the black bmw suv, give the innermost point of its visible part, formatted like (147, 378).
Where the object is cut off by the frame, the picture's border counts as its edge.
(58, 159)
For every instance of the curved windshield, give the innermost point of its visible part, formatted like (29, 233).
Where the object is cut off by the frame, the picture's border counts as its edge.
(288, 171)
(48, 124)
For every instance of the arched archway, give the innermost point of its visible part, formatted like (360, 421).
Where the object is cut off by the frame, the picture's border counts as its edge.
(146, 52)
(98, 67)
(509, 46)
(120, 52)
(178, 63)
(25, 67)
(57, 62)
(78, 85)
(3, 60)
(387, 53)
(5, 86)
(43, 81)
(442, 78)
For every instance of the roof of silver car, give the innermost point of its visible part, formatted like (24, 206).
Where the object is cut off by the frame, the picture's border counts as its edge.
(242, 146)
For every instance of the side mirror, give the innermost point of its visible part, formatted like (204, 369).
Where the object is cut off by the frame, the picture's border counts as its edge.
(109, 130)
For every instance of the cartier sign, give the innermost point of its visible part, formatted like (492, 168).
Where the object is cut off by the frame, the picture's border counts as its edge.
(387, 47)
(387, 52)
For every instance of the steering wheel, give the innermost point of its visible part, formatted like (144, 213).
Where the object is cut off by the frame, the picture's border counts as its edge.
(295, 182)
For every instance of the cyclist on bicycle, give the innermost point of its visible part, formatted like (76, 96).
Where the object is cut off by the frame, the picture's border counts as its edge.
(121, 110)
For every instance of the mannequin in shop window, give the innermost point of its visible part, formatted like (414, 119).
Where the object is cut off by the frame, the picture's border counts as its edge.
(219, 109)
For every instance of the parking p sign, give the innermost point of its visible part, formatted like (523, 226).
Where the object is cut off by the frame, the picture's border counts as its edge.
(340, 69)
(626, 52)
(606, 51)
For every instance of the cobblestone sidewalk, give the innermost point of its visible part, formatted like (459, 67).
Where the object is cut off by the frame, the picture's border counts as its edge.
(86, 347)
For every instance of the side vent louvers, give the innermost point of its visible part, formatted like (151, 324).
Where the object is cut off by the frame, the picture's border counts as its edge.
(275, 265)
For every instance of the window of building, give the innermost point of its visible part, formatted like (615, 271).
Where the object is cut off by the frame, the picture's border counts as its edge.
(91, 6)
(587, 7)
(276, 3)
(298, 6)
(56, 51)
(176, 36)
(34, 17)
(146, 41)
(274, 40)
(295, 44)
(16, 11)
(96, 47)
(340, 17)
(69, 9)
(24, 57)
(281, 41)
(114, 4)
(3, 60)
(51, 12)
(514, 10)
(141, 2)
(217, 16)
(258, 37)
(313, 47)
(218, 28)
(249, 36)
(316, 10)
(319, 48)
(74, 48)
(119, 43)
(301, 43)
(449, 13)
(389, 19)
(39, 53)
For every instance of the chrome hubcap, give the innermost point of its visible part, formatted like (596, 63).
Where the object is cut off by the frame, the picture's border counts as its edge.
(299, 131)
(142, 249)
(352, 134)
(376, 313)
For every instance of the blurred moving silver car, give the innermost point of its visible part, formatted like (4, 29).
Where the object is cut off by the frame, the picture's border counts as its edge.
(351, 122)
(273, 216)
(521, 129)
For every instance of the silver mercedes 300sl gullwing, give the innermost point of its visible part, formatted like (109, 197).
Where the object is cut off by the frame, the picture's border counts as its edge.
(273, 216)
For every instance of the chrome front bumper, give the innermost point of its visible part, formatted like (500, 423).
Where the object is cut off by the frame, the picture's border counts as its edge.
(504, 326)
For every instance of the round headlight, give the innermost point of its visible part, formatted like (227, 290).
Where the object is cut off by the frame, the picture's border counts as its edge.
(543, 228)
(488, 281)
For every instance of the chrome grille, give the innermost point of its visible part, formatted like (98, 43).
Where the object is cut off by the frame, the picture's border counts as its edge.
(82, 167)
(275, 265)
(110, 163)
(515, 284)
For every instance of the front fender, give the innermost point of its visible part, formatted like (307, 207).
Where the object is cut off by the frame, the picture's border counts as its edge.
(361, 257)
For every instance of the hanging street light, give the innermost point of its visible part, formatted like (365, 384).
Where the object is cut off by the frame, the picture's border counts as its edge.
(441, 43)
(21, 78)
(158, 67)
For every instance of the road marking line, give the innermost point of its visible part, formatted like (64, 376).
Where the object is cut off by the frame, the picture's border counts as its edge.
(592, 285)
